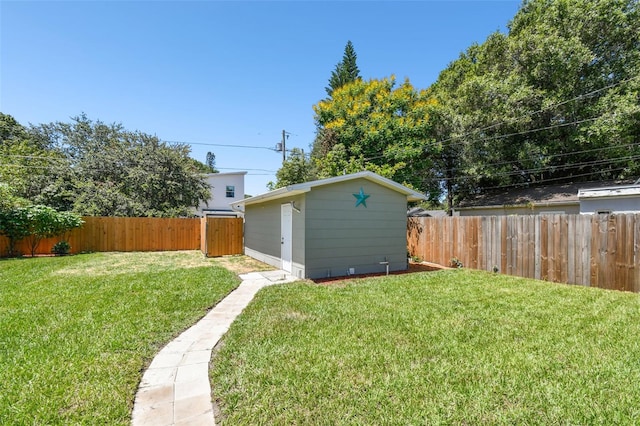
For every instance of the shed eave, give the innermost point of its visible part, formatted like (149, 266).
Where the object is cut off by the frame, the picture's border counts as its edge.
(269, 196)
(301, 188)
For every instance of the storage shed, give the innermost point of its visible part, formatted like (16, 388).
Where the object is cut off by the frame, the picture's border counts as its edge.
(345, 225)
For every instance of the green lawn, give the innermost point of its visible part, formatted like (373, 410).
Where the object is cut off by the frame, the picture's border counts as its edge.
(449, 347)
(76, 332)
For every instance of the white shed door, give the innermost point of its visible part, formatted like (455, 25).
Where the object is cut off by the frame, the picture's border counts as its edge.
(286, 233)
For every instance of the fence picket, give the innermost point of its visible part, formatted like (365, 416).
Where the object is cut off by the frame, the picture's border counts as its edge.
(103, 234)
(590, 250)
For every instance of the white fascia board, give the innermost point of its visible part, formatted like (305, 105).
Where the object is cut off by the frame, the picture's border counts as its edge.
(273, 195)
(225, 173)
(612, 192)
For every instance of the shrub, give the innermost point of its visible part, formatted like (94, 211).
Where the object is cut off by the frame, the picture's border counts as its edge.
(14, 224)
(35, 223)
(61, 247)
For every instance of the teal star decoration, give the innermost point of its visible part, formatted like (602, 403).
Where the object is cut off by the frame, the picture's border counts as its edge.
(361, 198)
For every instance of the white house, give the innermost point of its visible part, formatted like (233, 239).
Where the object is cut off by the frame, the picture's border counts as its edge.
(226, 188)
(611, 199)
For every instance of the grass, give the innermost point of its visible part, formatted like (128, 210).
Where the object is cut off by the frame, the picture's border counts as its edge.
(449, 347)
(76, 332)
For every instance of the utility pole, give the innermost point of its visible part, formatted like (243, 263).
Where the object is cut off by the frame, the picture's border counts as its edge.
(284, 148)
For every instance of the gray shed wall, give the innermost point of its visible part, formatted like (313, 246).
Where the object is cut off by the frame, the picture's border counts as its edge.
(262, 233)
(340, 235)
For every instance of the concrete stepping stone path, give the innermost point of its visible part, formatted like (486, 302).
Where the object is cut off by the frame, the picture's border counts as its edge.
(175, 389)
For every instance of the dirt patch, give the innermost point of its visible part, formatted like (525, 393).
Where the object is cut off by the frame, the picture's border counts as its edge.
(112, 263)
(413, 267)
(241, 264)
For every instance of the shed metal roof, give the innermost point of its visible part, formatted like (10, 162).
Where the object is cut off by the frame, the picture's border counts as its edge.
(301, 188)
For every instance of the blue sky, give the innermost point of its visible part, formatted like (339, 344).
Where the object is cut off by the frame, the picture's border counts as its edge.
(225, 73)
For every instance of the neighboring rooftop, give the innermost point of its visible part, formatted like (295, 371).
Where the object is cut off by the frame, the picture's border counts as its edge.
(420, 212)
(566, 193)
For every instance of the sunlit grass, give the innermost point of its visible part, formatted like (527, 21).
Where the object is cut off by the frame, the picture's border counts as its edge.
(76, 332)
(450, 347)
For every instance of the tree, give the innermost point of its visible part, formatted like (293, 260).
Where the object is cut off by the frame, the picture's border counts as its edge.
(8, 198)
(554, 99)
(14, 224)
(12, 216)
(45, 222)
(211, 162)
(377, 126)
(23, 159)
(297, 168)
(105, 170)
(346, 71)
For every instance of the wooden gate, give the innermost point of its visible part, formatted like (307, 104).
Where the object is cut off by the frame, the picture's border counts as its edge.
(221, 236)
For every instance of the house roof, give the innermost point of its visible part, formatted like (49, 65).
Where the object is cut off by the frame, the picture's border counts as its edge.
(420, 212)
(301, 188)
(561, 194)
(225, 174)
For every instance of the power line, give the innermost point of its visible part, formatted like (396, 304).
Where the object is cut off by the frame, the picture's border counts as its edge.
(564, 154)
(41, 157)
(515, 185)
(546, 168)
(579, 97)
(242, 169)
(223, 145)
(31, 166)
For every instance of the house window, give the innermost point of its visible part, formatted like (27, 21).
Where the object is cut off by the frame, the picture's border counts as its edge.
(231, 191)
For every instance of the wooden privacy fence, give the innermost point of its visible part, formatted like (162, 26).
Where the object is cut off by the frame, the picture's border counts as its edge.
(100, 234)
(591, 250)
(222, 236)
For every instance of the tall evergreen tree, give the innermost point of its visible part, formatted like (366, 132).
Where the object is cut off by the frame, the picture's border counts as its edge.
(346, 70)
(211, 162)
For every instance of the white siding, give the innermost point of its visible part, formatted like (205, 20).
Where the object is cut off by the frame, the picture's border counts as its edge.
(219, 202)
(610, 205)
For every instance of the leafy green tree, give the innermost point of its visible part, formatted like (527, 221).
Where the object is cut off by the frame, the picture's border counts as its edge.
(105, 170)
(23, 159)
(8, 198)
(346, 71)
(41, 223)
(297, 168)
(13, 217)
(46, 222)
(554, 99)
(211, 162)
(14, 224)
(377, 126)
(67, 222)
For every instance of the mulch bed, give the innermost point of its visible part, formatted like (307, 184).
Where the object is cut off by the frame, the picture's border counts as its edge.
(413, 267)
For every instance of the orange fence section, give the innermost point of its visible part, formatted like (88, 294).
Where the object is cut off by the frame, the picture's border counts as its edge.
(223, 236)
(124, 234)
